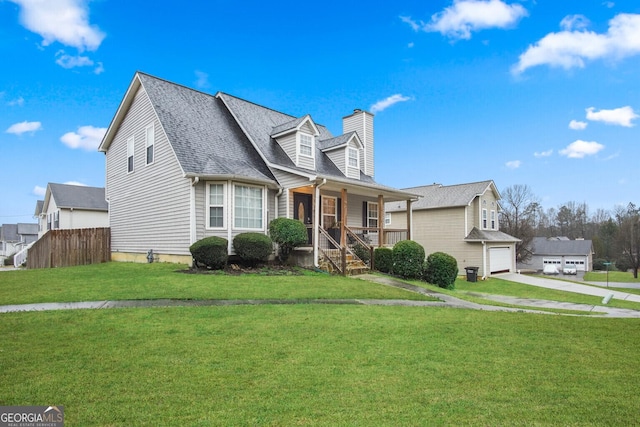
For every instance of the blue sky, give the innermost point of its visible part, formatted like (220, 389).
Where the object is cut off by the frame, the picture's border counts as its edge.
(544, 93)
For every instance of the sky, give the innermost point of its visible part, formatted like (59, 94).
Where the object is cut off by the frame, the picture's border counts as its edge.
(543, 93)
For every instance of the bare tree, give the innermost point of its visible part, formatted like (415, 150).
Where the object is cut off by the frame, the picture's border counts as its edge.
(520, 209)
(629, 236)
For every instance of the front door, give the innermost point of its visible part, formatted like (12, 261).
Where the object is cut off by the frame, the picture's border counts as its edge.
(302, 211)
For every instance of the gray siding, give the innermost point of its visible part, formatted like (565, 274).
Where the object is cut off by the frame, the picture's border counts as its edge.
(288, 144)
(338, 157)
(148, 208)
(288, 181)
(362, 123)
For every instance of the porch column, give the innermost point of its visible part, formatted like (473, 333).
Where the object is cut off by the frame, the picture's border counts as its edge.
(343, 217)
(409, 216)
(381, 236)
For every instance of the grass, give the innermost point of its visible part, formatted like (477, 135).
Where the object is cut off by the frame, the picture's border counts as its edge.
(614, 277)
(122, 281)
(321, 365)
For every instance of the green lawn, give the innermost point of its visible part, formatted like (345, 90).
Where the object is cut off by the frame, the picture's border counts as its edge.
(305, 364)
(321, 365)
(122, 281)
(614, 276)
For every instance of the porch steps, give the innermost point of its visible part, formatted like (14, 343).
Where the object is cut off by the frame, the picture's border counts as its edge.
(354, 266)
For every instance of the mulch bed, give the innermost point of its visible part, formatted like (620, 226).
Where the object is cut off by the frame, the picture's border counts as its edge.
(237, 270)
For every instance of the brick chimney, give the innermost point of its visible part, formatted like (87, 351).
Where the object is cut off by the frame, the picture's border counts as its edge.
(362, 123)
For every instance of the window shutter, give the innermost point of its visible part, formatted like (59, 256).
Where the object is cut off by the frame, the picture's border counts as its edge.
(365, 214)
(339, 210)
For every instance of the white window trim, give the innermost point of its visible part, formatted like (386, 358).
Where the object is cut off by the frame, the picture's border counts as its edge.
(225, 205)
(484, 219)
(299, 145)
(131, 148)
(147, 144)
(322, 210)
(233, 206)
(494, 218)
(349, 149)
(369, 218)
(387, 218)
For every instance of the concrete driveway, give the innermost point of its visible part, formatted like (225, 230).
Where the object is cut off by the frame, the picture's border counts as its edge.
(562, 285)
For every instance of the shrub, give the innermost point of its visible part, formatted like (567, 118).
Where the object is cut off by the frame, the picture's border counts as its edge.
(362, 252)
(252, 248)
(621, 264)
(288, 234)
(598, 264)
(441, 269)
(383, 259)
(211, 252)
(408, 257)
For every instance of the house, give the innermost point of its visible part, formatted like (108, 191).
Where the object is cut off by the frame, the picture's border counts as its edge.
(15, 237)
(561, 252)
(182, 165)
(71, 207)
(461, 220)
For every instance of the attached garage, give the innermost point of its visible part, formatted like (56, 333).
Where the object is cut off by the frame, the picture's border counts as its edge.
(500, 260)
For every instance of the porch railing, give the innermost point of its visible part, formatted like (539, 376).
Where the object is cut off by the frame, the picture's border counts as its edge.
(331, 250)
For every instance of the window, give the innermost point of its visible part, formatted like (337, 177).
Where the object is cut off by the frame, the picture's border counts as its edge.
(484, 218)
(150, 139)
(353, 158)
(493, 220)
(247, 207)
(130, 155)
(372, 215)
(329, 211)
(49, 221)
(215, 204)
(306, 145)
(387, 218)
(56, 220)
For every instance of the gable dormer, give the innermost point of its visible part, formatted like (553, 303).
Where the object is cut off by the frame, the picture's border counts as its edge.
(345, 151)
(298, 139)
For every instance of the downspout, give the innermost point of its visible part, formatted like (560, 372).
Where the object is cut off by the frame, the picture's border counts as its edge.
(484, 260)
(192, 211)
(277, 200)
(316, 223)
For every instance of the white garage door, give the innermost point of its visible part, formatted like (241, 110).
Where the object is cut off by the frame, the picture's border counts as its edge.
(499, 260)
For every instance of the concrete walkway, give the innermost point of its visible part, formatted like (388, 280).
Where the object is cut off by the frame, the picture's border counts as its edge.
(565, 286)
(444, 300)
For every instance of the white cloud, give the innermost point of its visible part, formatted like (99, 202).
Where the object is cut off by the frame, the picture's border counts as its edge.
(388, 102)
(608, 4)
(69, 61)
(18, 101)
(543, 153)
(202, 81)
(24, 127)
(39, 191)
(410, 45)
(622, 116)
(63, 21)
(572, 47)
(88, 138)
(513, 164)
(574, 22)
(579, 149)
(464, 16)
(99, 68)
(79, 184)
(577, 125)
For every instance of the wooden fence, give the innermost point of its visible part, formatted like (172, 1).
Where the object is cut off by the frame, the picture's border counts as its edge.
(65, 248)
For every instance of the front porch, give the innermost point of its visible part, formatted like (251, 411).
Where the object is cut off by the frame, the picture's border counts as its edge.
(345, 222)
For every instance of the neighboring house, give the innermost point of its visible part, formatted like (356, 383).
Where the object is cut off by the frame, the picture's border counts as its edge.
(14, 237)
(561, 252)
(183, 165)
(72, 207)
(461, 220)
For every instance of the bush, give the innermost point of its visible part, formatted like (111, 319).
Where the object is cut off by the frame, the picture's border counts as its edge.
(408, 257)
(211, 252)
(441, 269)
(252, 248)
(598, 264)
(362, 252)
(288, 234)
(383, 259)
(621, 264)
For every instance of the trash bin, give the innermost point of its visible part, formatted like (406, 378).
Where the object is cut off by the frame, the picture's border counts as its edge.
(472, 274)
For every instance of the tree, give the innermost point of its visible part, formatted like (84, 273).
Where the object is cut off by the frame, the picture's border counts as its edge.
(520, 211)
(629, 236)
